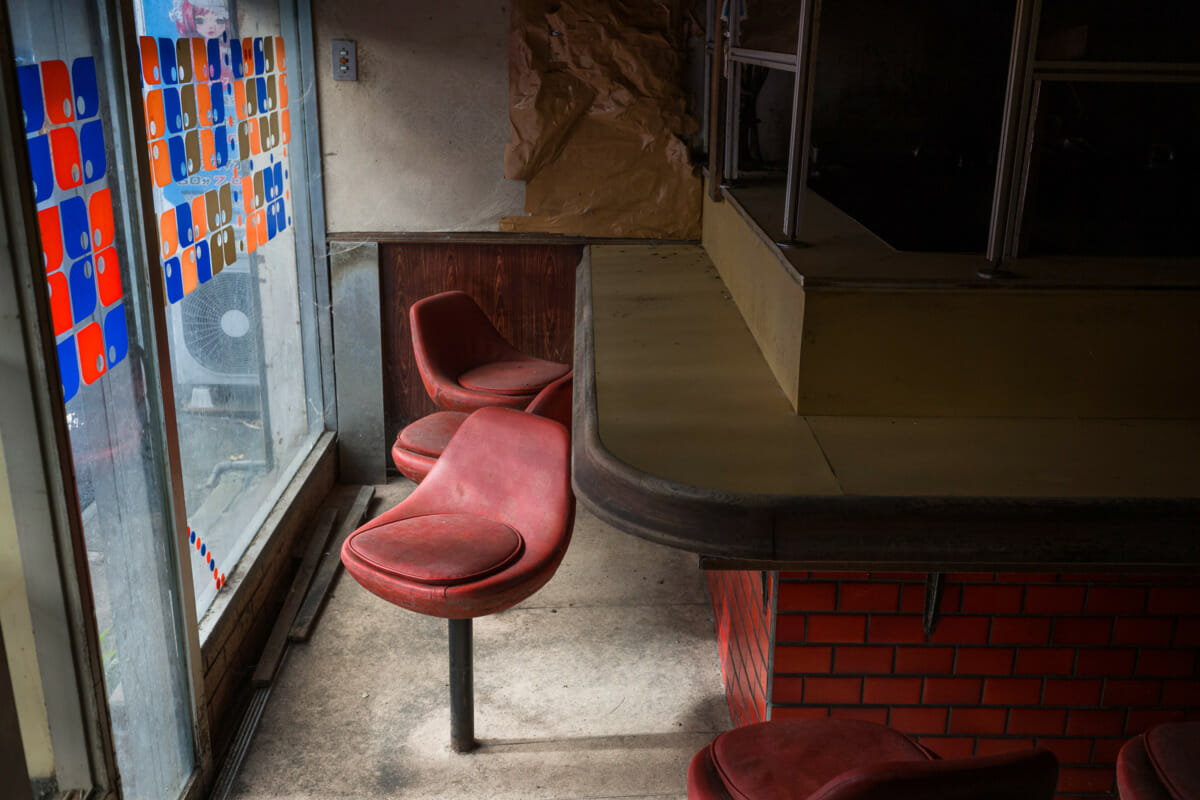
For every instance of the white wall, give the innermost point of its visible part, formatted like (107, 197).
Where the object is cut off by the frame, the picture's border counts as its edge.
(417, 142)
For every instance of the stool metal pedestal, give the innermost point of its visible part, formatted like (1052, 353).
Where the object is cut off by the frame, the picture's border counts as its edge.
(462, 688)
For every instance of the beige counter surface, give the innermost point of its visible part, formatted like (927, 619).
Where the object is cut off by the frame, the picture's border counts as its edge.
(683, 433)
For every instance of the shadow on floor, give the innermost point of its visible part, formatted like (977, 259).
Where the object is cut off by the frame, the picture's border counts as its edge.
(601, 685)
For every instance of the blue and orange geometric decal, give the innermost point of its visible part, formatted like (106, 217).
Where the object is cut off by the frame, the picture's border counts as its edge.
(217, 127)
(204, 552)
(66, 143)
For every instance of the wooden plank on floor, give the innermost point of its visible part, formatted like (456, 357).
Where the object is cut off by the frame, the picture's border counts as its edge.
(272, 654)
(310, 609)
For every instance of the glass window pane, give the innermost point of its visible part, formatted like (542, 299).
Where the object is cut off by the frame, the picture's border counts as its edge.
(215, 78)
(1114, 170)
(71, 107)
(767, 25)
(906, 117)
(1150, 30)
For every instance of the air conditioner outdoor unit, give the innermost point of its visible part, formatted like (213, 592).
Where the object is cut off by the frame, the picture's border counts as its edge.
(216, 336)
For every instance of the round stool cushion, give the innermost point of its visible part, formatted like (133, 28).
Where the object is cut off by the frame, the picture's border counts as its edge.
(439, 549)
(527, 376)
(794, 758)
(429, 435)
(1174, 749)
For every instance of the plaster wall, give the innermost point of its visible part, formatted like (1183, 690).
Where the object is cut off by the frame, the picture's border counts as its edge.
(417, 142)
(18, 641)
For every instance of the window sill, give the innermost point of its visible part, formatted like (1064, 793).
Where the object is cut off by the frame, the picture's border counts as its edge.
(242, 595)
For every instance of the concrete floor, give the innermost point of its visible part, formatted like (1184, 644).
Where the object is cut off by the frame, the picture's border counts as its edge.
(601, 685)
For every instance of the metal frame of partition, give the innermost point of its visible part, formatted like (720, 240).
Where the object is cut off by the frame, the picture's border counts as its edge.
(1005, 241)
(802, 63)
(1025, 76)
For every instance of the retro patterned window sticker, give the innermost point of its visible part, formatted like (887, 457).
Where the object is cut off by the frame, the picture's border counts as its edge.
(217, 129)
(65, 139)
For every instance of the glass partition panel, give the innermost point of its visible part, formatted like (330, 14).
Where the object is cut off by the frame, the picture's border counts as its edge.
(217, 81)
(72, 107)
(1114, 170)
(1146, 31)
(907, 109)
(771, 25)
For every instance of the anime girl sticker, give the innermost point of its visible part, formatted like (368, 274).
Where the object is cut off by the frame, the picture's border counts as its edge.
(207, 18)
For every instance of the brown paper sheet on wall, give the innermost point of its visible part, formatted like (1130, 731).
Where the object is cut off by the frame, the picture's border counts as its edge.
(597, 112)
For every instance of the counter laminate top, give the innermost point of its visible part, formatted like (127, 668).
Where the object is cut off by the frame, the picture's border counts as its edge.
(683, 436)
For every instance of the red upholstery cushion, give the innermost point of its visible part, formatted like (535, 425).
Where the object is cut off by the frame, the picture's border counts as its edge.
(419, 445)
(794, 758)
(554, 402)
(439, 549)
(451, 335)
(831, 759)
(1018, 775)
(1136, 776)
(429, 435)
(502, 465)
(414, 466)
(512, 377)
(1174, 750)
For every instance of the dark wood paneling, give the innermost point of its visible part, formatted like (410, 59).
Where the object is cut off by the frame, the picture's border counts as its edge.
(527, 290)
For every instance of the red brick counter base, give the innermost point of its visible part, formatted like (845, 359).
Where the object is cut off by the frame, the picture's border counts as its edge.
(1076, 664)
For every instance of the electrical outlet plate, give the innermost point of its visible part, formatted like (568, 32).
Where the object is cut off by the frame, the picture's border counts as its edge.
(345, 60)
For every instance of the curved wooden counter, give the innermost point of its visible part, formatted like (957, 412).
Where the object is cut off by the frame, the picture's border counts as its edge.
(681, 436)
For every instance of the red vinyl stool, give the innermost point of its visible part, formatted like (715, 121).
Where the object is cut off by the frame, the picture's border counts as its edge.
(465, 363)
(841, 759)
(1161, 764)
(486, 529)
(418, 446)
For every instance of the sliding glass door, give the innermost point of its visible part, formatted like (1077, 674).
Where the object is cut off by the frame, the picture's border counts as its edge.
(218, 124)
(80, 158)
(177, 270)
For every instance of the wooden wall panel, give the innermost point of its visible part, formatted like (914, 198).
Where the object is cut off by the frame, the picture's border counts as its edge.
(527, 290)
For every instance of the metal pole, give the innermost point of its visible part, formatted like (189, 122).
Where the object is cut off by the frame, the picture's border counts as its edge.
(1012, 236)
(462, 691)
(716, 147)
(1012, 130)
(801, 133)
(733, 95)
(711, 29)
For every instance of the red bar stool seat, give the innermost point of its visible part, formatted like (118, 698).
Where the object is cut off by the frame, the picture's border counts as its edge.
(438, 550)
(486, 529)
(430, 434)
(837, 759)
(1161, 764)
(524, 377)
(419, 444)
(465, 363)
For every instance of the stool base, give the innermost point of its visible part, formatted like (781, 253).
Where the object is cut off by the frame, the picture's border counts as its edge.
(462, 688)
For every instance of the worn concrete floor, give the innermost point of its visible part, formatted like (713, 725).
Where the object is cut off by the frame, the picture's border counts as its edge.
(601, 685)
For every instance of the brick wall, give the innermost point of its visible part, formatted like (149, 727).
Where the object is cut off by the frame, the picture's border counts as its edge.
(743, 626)
(1073, 663)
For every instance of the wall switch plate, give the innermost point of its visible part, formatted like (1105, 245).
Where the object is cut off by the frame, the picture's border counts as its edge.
(345, 60)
